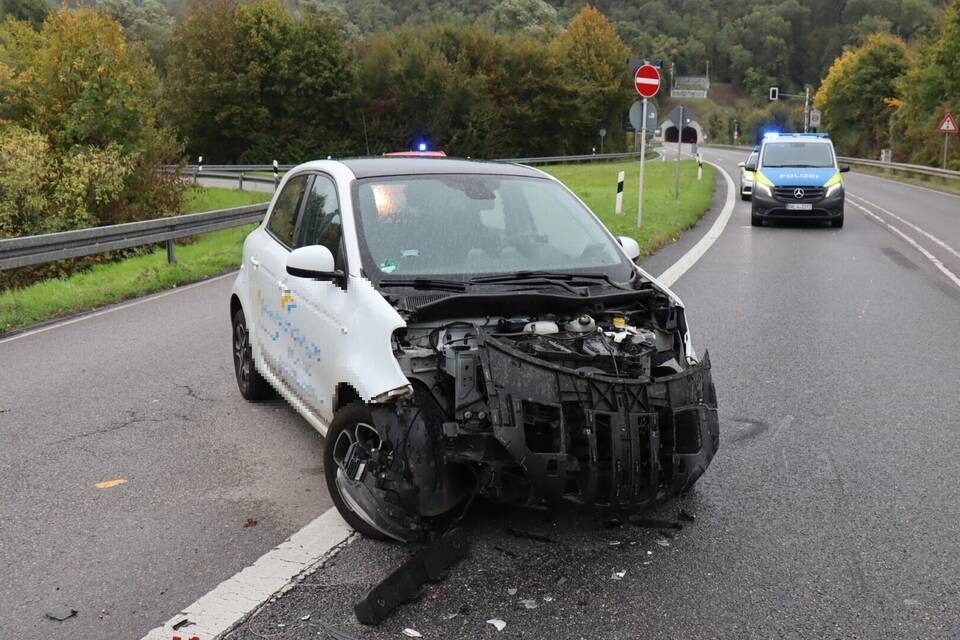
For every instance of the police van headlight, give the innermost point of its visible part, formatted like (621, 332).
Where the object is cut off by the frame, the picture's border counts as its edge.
(763, 189)
(833, 190)
(748, 177)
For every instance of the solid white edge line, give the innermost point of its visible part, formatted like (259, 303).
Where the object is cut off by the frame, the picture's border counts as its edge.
(690, 258)
(275, 572)
(930, 236)
(118, 307)
(929, 256)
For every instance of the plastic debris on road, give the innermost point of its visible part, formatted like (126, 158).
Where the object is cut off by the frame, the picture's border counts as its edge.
(529, 603)
(548, 598)
(663, 543)
(511, 592)
(498, 624)
(618, 575)
(412, 633)
(305, 618)
(60, 613)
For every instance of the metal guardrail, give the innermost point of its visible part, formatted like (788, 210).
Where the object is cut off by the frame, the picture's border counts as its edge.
(33, 250)
(919, 169)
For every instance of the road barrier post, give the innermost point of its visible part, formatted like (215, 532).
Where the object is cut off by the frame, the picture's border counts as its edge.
(171, 254)
(241, 180)
(619, 209)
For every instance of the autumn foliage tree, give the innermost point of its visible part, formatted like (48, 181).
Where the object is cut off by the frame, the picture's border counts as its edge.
(929, 89)
(859, 95)
(82, 118)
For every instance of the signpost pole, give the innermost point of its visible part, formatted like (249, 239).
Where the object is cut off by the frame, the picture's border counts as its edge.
(683, 116)
(643, 153)
(806, 111)
(946, 144)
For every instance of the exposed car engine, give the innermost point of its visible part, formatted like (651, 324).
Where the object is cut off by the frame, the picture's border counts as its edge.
(599, 405)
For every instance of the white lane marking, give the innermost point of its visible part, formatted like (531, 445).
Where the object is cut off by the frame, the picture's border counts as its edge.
(929, 256)
(233, 599)
(687, 260)
(906, 184)
(909, 224)
(119, 307)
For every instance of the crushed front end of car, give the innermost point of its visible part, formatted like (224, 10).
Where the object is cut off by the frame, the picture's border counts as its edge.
(535, 399)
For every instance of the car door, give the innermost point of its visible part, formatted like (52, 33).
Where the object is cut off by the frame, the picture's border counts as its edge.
(318, 342)
(274, 307)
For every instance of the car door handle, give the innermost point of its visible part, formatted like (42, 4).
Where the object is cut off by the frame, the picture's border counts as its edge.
(254, 262)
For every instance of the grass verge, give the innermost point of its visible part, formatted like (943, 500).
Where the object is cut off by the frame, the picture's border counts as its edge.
(219, 251)
(664, 218)
(211, 254)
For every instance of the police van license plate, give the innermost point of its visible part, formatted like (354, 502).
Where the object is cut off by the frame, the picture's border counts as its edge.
(799, 206)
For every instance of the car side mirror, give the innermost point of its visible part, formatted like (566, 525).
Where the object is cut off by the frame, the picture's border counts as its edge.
(750, 166)
(741, 164)
(315, 262)
(630, 247)
(844, 168)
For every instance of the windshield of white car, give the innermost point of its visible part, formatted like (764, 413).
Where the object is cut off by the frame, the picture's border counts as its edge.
(797, 154)
(468, 225)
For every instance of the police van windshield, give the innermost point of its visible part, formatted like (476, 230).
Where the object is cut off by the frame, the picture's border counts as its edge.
(479, 224)
(797, 154)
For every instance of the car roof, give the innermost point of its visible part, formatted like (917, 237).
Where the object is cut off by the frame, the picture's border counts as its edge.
(405, 166)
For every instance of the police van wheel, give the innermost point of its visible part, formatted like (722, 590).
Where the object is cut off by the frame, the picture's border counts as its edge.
(838, 223)
(756, 220)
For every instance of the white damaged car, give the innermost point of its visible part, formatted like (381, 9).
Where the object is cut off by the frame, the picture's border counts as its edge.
(457, 328)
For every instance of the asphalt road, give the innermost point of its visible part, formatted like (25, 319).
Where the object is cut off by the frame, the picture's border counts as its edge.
(830, 511)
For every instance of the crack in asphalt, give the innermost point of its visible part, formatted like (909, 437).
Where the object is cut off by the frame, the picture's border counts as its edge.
(133, 420)
(193, 394)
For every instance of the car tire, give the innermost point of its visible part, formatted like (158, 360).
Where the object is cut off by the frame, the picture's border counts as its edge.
(345, 420)
(756, 220)
(252, 385)
(838, 223)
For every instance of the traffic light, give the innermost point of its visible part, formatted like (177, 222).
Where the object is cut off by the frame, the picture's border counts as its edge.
(774, 93)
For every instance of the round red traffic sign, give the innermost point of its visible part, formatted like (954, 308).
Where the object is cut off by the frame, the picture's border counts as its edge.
(647, 80)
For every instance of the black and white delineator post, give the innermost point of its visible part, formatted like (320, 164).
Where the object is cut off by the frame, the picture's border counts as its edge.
(620, 177)
(276, 174)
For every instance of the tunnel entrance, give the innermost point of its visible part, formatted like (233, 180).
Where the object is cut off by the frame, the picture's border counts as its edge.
(689, 135)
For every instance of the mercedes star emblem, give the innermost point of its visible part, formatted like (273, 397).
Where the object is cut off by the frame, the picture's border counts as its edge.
(798, 194)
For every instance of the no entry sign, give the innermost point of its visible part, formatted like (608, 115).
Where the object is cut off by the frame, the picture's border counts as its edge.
(647, 80)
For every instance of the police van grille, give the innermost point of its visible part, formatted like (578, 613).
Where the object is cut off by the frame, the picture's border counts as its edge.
(788, 194)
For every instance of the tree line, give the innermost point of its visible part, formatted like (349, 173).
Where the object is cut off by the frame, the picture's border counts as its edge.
(887, 93)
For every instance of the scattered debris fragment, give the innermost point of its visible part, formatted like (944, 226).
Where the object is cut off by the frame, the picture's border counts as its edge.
(335, 633)
(529, 535)
(529, 603)
(305, 618)
(548, 598)
(60, 613)
(451, 616)
(663, 542)
(180, 624)
(109, 484)
(511, 592)
(653, 523)
(649, 553)
(281, 625)
(612, 523)
(910, 602)
(618, 575)
(686, 516)
(412, 633)
(251, 522)
(499, 624)
(559, 580)
(405, 582)
(614, 543)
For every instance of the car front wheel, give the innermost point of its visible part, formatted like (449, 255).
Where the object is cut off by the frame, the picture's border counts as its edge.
(252, 385)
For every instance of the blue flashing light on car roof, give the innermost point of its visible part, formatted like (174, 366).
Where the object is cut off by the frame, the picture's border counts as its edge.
(422, 146)
(770, 134)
